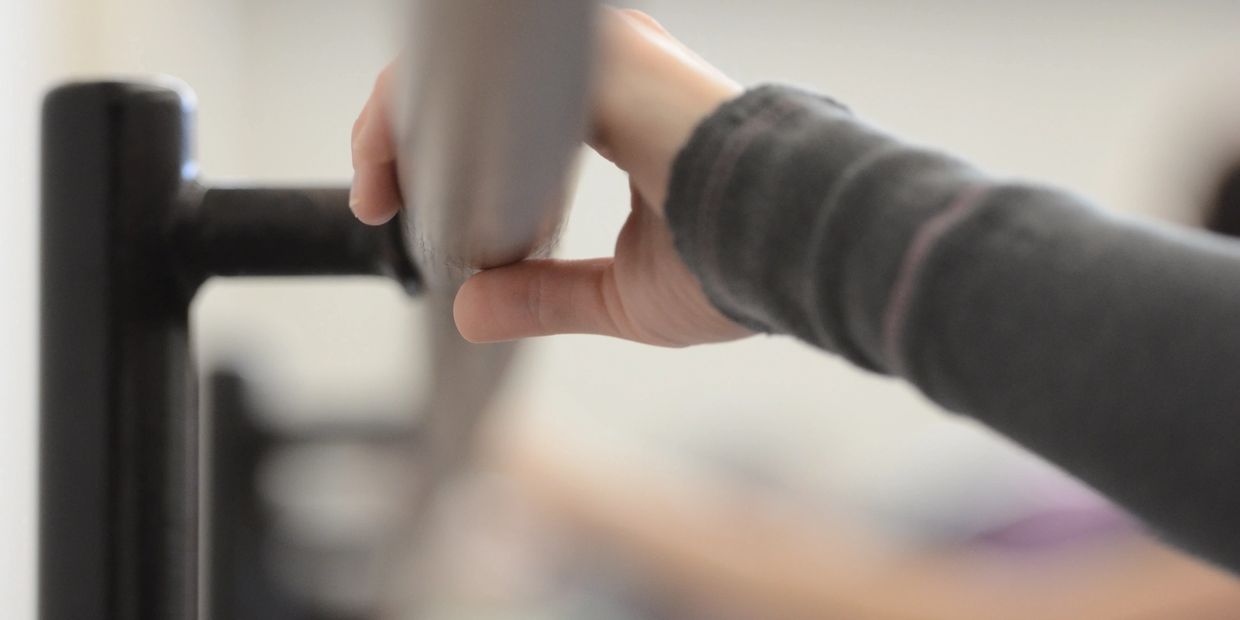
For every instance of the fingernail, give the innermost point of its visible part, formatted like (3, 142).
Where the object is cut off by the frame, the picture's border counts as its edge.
(353, 200)
(376, 219)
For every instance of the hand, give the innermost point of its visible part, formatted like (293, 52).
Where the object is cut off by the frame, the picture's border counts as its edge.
(650, 93)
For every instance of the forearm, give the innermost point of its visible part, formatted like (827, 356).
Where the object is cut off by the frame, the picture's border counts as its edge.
(1106, 344)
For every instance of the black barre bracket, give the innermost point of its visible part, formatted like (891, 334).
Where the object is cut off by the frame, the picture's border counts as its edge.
(128, 236)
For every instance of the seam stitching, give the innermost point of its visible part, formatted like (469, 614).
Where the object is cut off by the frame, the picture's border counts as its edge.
(911, 267)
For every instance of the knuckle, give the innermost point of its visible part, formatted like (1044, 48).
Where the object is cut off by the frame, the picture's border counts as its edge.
(646, 19)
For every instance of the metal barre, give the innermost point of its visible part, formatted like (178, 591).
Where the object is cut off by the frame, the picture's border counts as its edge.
(129, 234)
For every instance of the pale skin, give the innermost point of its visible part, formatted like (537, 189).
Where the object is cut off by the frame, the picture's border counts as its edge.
(650, 92)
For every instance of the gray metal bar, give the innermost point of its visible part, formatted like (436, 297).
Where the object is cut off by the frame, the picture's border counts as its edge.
(495, 99)
(493, 110)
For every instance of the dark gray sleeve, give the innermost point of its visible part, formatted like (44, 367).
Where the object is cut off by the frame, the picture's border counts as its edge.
(1108, 344)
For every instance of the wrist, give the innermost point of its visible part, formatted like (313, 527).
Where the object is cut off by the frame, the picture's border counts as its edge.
(652, 95)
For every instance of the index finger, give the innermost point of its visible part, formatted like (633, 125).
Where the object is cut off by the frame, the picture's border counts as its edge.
(375, 196)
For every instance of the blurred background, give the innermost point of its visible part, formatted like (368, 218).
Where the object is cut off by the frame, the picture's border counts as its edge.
(758, 479)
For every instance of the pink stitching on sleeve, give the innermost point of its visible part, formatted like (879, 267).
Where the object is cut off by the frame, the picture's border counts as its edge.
(924, 240)
(725, 163)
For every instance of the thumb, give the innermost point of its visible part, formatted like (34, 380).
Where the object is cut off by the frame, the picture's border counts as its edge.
(540, 297)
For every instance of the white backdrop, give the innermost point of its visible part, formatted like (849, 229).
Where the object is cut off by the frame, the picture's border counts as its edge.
(1082, 94)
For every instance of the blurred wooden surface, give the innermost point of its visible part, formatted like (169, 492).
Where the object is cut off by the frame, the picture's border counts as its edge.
(749, 553)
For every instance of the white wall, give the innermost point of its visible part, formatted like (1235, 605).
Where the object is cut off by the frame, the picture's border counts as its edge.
(16, 420)
(1077, 93)
(27, 56)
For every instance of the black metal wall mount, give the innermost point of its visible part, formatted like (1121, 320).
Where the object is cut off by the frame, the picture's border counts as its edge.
(129, 233)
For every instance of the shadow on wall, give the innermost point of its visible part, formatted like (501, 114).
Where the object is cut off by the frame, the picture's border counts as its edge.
(1223, 214)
